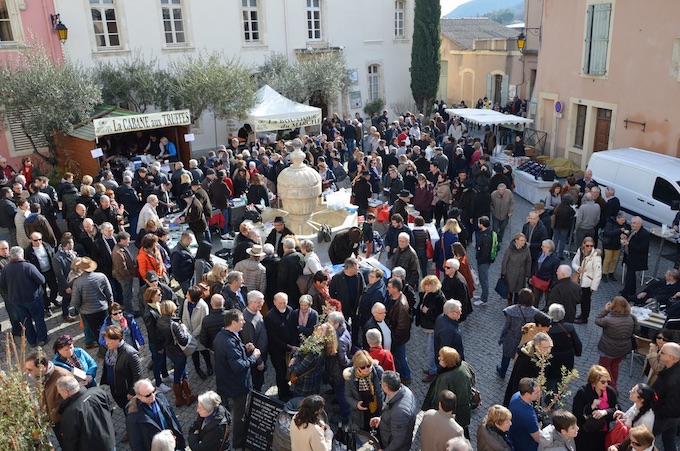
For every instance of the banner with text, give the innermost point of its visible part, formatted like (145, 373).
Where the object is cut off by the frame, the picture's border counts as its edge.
(123, 124)
(285, 123)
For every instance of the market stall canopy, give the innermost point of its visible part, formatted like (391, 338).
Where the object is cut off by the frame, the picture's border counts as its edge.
(487, 117)
(276, 112)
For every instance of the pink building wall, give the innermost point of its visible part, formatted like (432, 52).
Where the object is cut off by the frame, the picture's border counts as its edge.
(641, 83)
(32, 25)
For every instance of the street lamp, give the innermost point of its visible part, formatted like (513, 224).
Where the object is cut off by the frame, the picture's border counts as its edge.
(59, 27)
(521, 41)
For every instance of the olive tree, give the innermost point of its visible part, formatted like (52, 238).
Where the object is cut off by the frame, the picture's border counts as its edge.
(46, 96)
(135, 83)
(210, 82)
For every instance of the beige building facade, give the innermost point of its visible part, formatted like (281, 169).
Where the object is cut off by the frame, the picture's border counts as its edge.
(479, 58)
(614, 66)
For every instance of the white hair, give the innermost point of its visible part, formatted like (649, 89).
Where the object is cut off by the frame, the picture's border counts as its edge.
(453, 262)
(16, 252)
(399, 272)
(163, 441)
(405, 235)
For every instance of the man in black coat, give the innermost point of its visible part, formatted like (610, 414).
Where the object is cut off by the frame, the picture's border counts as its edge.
(535, 232)
(565, 292)
(40, 254)
(271, 263)
(129, 199)
(235, 294)
(347, 287)
(454, 286)
(660, 290)
(280, 341)
(86, 417)
(106, 213)
(275, 237)
(213, 323)
(636, 253)
(290, 268)
(667, 404)
(148, 413)
(345, 245)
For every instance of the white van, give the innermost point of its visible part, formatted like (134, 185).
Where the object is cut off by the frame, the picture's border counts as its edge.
(646, 183)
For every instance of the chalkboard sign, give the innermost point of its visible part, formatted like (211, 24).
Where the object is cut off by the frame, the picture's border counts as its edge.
(262, 414)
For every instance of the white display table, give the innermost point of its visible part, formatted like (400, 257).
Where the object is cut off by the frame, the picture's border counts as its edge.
(529, 188)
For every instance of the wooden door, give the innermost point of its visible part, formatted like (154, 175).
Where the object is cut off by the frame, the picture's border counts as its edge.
(602, 126)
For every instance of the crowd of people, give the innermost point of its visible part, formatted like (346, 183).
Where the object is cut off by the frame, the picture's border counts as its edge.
(84, 250)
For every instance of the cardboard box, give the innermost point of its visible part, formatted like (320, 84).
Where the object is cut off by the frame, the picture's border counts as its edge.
(530, 151)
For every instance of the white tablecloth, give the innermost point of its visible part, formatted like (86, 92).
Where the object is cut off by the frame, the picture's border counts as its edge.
(529, 188)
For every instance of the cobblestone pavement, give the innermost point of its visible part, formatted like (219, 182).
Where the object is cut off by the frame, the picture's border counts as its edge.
(480, 336)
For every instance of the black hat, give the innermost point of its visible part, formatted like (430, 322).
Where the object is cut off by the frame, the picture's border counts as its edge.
(498, 167)
(365, 172)
(405, 193)
(195, 183)
(186, 194)
(151, 276)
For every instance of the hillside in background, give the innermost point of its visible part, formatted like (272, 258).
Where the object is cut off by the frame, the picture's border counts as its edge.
(496, 9)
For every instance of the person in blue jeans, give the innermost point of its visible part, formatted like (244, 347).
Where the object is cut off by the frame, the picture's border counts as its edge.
(23, 284)
(399, 322)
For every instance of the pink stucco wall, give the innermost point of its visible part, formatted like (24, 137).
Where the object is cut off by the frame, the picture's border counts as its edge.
(36, 25)
(638, 85)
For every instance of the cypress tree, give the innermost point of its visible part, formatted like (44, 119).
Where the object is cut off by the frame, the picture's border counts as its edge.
(425, 58)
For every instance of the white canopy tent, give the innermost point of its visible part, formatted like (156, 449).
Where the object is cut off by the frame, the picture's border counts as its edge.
(276, 112)
(488, 117)
(491, 118)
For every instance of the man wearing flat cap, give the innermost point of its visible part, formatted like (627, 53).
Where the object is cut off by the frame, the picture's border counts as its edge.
(400, 204)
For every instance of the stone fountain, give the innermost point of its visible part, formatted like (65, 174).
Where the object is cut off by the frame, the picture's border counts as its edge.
(299, 187)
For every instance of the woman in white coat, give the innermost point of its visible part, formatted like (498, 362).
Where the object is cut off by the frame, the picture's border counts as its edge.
(193, 312)
(587, 266)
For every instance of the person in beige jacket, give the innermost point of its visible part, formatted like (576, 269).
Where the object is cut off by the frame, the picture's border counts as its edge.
(308, 432)
(502, 207)
(587, 264)
(124, 268)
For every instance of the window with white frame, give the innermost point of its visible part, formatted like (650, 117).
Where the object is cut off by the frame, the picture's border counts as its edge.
(313, 20)
(580, 130)
(173, 23)
(106, 32)
(597, 38)
(373, 82)
(6, 29)
(399, 12)
(251, 23)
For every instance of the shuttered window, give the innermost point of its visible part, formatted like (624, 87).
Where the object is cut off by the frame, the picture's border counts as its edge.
(18, 141)
(597, 39)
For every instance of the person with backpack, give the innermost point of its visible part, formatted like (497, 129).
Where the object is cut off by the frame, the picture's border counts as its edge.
(487, 250)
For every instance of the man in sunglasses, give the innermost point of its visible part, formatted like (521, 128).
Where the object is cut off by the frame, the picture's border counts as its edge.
(149, 413)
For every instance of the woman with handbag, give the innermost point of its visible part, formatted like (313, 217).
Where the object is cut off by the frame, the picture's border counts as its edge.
(516, 266)
(193, 312)
(308, 362)
(618, 327)
(444, 248)
(430, 307)
(122, 366)
(363, 389)
(516, 316)
(212, 429)
(175, 334)
(587, 265)
(459, 377)
(594, 406)
(546, 271)
(640, 413)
